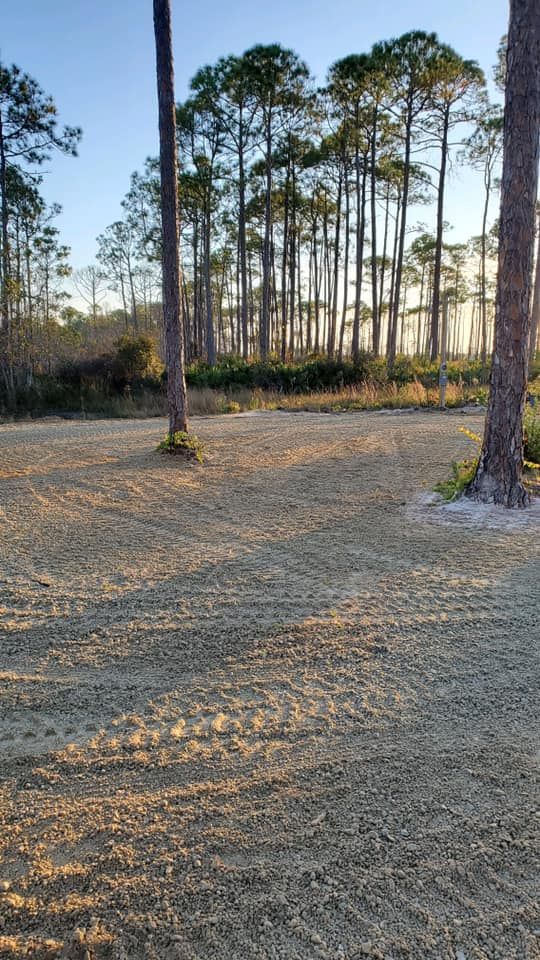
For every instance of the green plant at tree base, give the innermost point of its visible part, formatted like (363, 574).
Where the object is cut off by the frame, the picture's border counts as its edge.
(184, 443)
(463, 471)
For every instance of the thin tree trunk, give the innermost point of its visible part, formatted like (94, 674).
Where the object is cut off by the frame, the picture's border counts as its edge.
(174, 341)
(264, 332)
(401, 246)
(345, 266)
(242, 241)
(483, 284)
(333, 318)
(374, 308)
(435, 306)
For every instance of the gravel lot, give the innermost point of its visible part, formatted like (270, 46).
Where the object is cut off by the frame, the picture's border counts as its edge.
(271, 707)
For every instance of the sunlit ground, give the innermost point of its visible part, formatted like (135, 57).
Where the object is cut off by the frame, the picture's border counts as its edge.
(263, 708)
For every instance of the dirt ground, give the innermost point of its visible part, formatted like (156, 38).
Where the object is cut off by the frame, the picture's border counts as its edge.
(264, 708)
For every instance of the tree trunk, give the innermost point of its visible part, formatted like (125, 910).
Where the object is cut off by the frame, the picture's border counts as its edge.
(284, 262)
(374, 279)
(174, 341)
(401, 247)
(4, 299)
(392, 316)
(242, 242)
(265, 315)
(483, 258)
(333, 314)
(360, 235)
(499, 475)
(345, 267)
(439, 239)
(210, 337)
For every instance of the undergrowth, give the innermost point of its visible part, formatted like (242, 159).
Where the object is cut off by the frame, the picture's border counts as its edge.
(183, 443)
(463, 471)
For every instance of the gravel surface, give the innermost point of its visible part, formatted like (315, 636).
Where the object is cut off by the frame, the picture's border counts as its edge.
(277, 707)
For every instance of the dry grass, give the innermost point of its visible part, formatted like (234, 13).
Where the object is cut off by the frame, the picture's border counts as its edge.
(366, 396)
(205, 402)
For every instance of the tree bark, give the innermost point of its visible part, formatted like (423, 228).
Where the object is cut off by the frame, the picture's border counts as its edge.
(174, 341)
(499, 475)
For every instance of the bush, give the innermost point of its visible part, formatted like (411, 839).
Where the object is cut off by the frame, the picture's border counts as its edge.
(136, 359)
(182, 443)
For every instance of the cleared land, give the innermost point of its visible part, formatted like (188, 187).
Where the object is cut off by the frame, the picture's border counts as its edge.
(263, 708)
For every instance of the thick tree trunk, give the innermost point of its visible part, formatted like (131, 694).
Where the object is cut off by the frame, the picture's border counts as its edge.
(499, 474)
(174, 341)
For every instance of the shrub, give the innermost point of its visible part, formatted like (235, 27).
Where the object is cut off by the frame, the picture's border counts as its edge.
(182, 443)
(135, 358)
(316, 373)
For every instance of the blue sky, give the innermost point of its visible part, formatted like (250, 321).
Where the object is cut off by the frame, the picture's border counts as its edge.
(97, 60)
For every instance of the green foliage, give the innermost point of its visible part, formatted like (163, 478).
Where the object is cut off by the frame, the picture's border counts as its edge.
(131, 379)
(315, 373)
(183, 443)
(320, 373)
(531, 426)
(463, 472)
(135, 358)
(534, 386)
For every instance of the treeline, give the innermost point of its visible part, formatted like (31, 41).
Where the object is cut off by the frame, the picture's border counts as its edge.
(296, 206)
(33, 260)
(296, 217)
